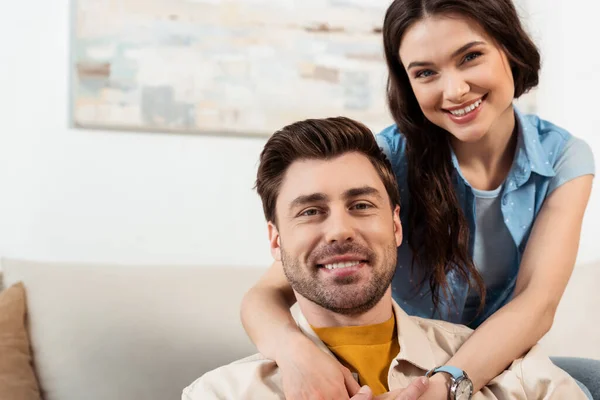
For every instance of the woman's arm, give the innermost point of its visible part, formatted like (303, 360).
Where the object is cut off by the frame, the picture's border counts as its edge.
(307, 372)
(545, 270)
(265, 311)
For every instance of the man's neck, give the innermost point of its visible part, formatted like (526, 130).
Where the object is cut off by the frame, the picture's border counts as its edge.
(320, 317)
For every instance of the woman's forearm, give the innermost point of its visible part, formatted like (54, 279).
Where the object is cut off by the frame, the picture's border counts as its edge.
(265, 312)
(544, 272)
(504, 337)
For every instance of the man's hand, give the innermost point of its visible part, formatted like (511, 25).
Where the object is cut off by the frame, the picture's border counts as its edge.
(412, 392)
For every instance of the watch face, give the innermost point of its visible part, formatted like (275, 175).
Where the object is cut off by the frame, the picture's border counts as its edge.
(464, 390)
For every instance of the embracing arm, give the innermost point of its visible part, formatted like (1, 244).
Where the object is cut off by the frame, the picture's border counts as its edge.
(306, 371)
(545, 270)
(265, 311)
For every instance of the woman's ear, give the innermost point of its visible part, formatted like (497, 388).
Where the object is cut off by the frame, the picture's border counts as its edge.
(275, 241)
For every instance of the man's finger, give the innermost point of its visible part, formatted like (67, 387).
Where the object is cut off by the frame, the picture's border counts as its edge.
(364, 393)
(414, 390)
(351, 385)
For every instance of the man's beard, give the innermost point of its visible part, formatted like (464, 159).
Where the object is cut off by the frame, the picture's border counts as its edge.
(341, 295)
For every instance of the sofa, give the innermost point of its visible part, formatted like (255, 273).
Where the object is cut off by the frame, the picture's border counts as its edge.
(100, 332)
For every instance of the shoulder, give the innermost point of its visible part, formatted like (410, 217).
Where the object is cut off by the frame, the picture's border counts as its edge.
(577, 151)
(392, 142)
(232, 380)
(553, 137)
(562, 150)
(544, 128)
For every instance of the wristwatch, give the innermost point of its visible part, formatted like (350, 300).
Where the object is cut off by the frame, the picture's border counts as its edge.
(461, 387)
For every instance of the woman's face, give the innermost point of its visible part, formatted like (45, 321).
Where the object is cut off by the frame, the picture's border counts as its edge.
(460, 77)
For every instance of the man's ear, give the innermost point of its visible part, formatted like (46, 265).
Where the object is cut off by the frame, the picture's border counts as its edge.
(275, 241)
(397, 225)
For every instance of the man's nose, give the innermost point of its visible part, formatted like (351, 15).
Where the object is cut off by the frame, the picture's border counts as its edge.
(455, 88)
(339, 227)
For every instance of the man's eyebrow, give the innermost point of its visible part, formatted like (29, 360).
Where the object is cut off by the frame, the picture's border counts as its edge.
(362, 191)
(308, 199)
(454, 54)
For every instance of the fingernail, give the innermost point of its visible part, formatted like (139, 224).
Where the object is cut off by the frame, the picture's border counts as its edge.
(364, 389)
(424, 380)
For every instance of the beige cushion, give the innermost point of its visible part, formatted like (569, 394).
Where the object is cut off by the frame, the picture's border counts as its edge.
(17, 377)
(103, 332)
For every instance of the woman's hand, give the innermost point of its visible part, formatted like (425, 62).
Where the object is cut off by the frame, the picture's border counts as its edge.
(310, 374)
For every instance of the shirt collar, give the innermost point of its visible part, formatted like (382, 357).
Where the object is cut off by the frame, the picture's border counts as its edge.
(530, 155)
(415, 348)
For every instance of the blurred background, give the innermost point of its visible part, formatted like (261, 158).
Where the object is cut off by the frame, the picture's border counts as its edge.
(136, 196)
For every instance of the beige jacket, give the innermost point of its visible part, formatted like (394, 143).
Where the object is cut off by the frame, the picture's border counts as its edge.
(424, 344)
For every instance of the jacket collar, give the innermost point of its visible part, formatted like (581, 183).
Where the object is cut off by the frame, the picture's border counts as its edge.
(415, 348)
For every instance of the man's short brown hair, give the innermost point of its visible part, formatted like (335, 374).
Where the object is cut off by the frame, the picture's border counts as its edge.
(318, 139)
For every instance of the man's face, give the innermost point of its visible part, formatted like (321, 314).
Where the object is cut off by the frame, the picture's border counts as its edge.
(336, 232)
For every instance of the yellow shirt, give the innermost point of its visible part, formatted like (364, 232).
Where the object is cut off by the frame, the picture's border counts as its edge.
(367, 350)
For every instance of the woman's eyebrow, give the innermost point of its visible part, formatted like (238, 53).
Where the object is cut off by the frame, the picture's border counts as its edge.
(462, 49)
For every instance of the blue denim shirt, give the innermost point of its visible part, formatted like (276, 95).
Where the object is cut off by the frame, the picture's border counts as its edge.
(540, 143)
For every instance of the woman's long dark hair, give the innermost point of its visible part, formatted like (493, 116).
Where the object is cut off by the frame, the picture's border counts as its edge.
(438, 233)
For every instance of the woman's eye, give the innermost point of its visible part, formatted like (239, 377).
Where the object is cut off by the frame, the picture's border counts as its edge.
(472, 56)
(426, 73)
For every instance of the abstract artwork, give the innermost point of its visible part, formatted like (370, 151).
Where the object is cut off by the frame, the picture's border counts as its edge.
(244, 67)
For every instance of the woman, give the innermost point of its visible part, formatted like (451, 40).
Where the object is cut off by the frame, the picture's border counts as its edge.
(493, 200)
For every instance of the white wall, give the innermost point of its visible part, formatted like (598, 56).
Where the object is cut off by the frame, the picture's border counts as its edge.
(567, 33)
(108, 196)
(151, 198)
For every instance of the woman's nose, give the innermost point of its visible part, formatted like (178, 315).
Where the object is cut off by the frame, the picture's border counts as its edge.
(455, 88)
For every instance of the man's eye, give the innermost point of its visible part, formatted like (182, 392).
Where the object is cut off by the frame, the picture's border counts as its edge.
(362, 206)
(311, 212)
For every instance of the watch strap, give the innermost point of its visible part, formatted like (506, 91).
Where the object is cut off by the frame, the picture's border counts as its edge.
(454, 372)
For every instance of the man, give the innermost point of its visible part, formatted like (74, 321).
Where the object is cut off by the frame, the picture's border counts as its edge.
(332, 205)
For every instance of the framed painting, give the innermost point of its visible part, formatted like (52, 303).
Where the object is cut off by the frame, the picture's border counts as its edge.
(243, 67)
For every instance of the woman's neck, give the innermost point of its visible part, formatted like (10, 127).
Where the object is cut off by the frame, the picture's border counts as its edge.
(486, 163)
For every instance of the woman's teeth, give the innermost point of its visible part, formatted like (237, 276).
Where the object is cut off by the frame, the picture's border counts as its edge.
(467, 109)
(342, 265)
